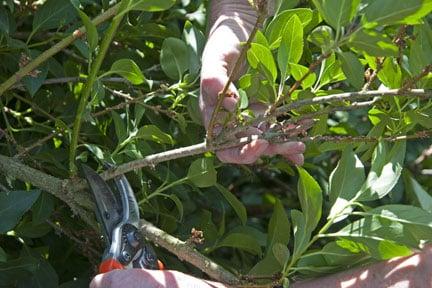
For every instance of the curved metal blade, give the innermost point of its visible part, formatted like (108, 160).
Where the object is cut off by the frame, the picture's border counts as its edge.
(108, 208)
(129, 203)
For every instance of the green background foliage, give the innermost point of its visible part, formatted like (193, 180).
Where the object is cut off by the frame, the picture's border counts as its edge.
(353, 202)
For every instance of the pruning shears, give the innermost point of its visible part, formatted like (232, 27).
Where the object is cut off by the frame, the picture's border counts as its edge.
(118, 213)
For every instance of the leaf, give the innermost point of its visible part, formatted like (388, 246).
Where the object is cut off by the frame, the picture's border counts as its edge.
(322, 36)
(385, 171)
(421, 48)
(4, 20)
(202, 173)
(267, 266)
(279, 226)
(43, 208)
(277, 26)
(236, 204)
(174, 58)
(415, 189)
(390, 73)
(259, 54)
(345, 181)
(291, 47)
(352, 69)
(195, 41)
(373, 43)
(241, 241)
(150, 5)
(32, 230)
(153, 133)
(390, 12)
(53, 14)
(299, 71)
(301, 232)
(91, 31)
(337, 13)
(281, 253)
(120, 127)
(310, 196)
(34, 82)
(3, 256)
(178, 204)
(13, 205)
(128, 69)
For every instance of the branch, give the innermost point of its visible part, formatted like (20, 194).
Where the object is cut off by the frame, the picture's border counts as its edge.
(88, 87)
(54, 50)
(234, 71)
(186, 252)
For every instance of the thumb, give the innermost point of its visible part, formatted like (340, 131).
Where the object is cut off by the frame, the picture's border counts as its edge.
(210, 88)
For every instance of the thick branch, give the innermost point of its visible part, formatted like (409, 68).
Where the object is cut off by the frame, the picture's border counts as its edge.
(186, 252)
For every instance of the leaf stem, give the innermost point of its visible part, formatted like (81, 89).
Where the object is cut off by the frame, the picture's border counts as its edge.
(88, 88)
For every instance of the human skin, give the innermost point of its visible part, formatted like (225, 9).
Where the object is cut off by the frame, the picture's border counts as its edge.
(231, 23)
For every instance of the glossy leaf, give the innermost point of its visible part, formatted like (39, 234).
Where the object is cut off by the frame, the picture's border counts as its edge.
(90, 28)
(153, 133)
(236, 204)
(322, 36)
(53, 14)
(421, 48)
(337, 13)
(13, 205)
(413, 188)
(202, 173)
(386, 169)
(390, 12)
(150, 5)
(299, 71)
(129, 70)
(279, 226)
(373, 43)
(260, 56)
(353, 69)
(302, 232)
(241, 241)
(174, 58)
(291, 47)
(310, 196)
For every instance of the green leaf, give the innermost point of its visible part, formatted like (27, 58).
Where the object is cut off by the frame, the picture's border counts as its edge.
(389, 12)
(150, 5)
(174, 58)
(353, 69)
(385, 171)
(279, 226)
(53, 14)
(421, 48)
(299, 71)
(202, 173)
(310, 196)
(345, 181)
(373, 43)
(4, 20)
(43, 208)
(128, 69)
(415, 189)
(120, 127)
(241, 241)
(195, 41)
(390, 73)
(91, 31)
(178, 204)
(13, 205)
(301, 232)
(291, 47)
(95, 150)
(153, 133)
(34, 82)
(337, 13)
(259, 54)
(281, 253)
(267, 266)
(3, 256)
(322, 36)
(277, 26)
(236, 204)
(332, 71)
(32, 230)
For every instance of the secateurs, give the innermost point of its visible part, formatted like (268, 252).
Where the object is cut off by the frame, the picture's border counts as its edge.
(117, 212)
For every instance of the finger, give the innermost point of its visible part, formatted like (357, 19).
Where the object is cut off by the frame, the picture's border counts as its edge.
(246, 154)
(285, 149)
(296, 159)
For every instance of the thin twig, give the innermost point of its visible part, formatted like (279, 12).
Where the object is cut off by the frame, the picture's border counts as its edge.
(237, 65)
(24, 71)
(410, 83)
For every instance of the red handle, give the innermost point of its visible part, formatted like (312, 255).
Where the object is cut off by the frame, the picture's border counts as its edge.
(109, 265)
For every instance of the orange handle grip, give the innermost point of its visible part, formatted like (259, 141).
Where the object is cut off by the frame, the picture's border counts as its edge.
(109, 265)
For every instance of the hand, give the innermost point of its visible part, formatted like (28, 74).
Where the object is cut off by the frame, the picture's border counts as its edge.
(231, 23)
(141, 278)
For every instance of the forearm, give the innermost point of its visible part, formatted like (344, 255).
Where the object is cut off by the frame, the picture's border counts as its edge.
(411, 271)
